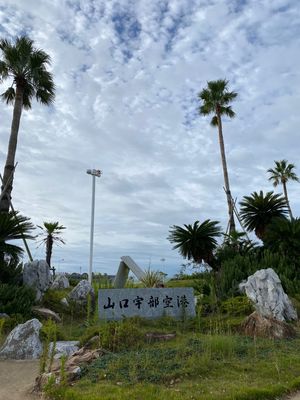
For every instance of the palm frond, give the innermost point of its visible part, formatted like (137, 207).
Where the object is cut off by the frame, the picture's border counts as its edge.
(9, 95)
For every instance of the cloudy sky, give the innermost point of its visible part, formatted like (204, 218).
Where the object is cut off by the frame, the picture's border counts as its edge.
(127, 75)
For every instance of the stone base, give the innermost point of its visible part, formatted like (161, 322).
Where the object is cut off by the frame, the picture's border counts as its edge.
(258, 326)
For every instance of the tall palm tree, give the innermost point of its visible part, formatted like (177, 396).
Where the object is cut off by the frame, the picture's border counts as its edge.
(13, 227)
(25, 66)
(282, 173)
(51, 233)
(196, 242)
(216, 100)
(258, 210)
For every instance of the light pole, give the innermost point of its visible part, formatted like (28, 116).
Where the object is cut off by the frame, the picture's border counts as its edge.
(94, 173)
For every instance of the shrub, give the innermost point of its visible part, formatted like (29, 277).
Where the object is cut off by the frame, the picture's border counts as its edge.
(240, 267)
(11, 271)
(52, 299)
(16, 299)
(236, 306)
(115, 336)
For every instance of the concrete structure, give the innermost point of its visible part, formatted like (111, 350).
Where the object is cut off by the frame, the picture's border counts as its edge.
(127, 264)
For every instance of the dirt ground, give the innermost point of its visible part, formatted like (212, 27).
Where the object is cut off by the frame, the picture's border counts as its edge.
(17, 379)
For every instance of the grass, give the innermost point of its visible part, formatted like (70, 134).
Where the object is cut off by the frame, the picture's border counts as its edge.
(208, 360)
(193, 366)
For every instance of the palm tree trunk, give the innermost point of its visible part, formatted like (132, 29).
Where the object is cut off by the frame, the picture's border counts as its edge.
(11, 152)
(287, 200)
(49, 246)
(225, 173)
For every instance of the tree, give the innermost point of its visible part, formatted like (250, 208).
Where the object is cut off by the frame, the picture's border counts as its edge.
(283, 236)
(51, 231)
(25, 65)
(13, 227)
(216, 100)
(258, 210)
(282, 173)
(196, 242)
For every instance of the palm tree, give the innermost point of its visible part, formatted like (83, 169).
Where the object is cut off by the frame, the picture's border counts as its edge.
(13, 227)
(196, 242)
(25, 65)
(258, 210)
(216, 99)
(51, 231)
(282, 173)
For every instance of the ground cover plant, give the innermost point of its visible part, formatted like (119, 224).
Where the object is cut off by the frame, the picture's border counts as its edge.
(218, 364)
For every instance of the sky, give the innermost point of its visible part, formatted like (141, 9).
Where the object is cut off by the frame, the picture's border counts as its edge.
(127, 75)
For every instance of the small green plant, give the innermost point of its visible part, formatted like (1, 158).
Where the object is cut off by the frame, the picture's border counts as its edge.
(115, 335)
(151, 279)
(2, 322)
(63, 375)
(235, 306)
(49, 332)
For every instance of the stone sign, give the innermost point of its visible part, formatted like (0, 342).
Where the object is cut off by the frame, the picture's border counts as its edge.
(146, 303)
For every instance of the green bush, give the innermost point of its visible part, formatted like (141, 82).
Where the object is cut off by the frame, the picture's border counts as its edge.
(115, 336)
(239, 305)
(237, 269)
(16, 299)
(11, 272)
(52, 299)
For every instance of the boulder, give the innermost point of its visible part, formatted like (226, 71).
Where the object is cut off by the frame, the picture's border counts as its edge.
(64, 348)
(60, 282)
(46, 313)
(80, 293)
(3, 315)
(258, 326)
(37, 275)
(23, 342)
(265, 291)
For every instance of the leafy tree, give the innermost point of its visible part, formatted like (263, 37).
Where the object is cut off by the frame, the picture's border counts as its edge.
(234, 243)
(196, 242)
(216, 100)
(51, 231)
(282, 173)
(258, 210)
(25, 65)
(13, 226)
(283, 236)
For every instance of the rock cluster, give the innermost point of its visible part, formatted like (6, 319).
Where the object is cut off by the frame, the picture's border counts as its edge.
(72, 367)
(64, 348)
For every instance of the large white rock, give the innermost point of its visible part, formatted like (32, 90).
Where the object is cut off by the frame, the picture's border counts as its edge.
(66, 348)
(265, 291)
(80, 293)
(60, 282)
(23, 342)
(37, 275)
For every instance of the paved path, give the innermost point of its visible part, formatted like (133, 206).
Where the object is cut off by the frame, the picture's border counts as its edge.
(17, 378)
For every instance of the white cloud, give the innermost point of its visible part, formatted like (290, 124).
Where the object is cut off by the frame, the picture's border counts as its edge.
(127, 76)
